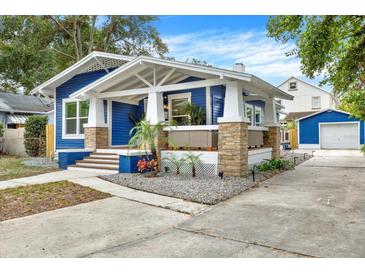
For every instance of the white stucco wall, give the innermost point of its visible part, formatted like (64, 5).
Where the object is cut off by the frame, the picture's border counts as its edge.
(303, 97)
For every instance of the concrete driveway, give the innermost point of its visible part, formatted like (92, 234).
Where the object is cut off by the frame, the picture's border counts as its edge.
(316, 210)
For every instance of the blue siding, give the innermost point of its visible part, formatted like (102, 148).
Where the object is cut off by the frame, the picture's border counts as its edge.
(217, 94)
(105, 102)
(121, 124)
(62, 92)
(197, 94)
(309, 129)
(69, 158)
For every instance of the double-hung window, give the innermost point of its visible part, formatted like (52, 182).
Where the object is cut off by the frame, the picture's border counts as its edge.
(249, 113)
(177, 105)
(75, 115)
(258, 115)
(316, 102)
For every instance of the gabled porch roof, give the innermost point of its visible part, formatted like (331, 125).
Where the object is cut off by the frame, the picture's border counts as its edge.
(94, 61)
(146, 74)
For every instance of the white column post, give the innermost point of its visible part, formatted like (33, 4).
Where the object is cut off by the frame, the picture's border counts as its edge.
(155, 110)
(96, 113)
(270, 118)
(233, 104)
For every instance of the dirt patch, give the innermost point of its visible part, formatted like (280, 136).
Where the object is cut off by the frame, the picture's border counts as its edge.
(28, 200)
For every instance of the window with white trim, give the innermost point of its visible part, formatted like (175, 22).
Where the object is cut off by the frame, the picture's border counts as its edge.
(258, 115)
(316, 102)
(75, 115)
(249, 113)
(177, 103)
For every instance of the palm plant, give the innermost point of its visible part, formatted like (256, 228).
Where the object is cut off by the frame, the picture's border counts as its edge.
(195, 112)
(177, 162)
(144, 135)
(193, 160)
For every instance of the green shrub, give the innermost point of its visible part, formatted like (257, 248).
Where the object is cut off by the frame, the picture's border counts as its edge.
(275, 164)
(35, 135)
(2, 129)
(363, 149)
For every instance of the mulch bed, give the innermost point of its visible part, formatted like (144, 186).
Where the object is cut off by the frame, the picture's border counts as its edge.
(27, 200)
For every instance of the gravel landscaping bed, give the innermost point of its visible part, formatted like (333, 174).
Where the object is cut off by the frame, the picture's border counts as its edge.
(206, 190)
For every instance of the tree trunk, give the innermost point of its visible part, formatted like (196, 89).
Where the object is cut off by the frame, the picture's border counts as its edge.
(177, 170)
(193, 170)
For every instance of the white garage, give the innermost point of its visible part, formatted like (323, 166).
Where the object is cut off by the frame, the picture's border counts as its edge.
(339, 135)
(330, 129)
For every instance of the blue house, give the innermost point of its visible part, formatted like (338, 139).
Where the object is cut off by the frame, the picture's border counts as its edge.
(330, 129)
(99, 99)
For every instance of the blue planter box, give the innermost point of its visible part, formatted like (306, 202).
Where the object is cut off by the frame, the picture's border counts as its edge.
(69, 158)
(128, 164)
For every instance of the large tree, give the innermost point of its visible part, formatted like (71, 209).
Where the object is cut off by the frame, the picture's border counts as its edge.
(34, 48)
(330, 46)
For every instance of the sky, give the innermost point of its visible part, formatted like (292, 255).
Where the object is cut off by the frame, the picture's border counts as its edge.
(222, 41)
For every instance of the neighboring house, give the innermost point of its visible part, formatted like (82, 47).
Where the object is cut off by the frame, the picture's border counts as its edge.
(98, 99)
(15, 108)
(308, 99)
(330, 129)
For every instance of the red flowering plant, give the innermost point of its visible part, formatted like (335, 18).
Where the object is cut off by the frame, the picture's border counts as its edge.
(146, 165)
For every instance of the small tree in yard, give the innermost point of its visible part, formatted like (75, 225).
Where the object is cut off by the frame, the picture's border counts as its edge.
(34, 135)
(193, 160)
(144, 136)
(177, 162)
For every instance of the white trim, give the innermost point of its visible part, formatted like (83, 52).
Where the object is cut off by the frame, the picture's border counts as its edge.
(221, 73)
(208, 109)
(258, 128)
(185, 95)
(249, 106)
(109, 120)
(319, 112)
(191, 128)
(172, 87)
(261, 116)
(79, 64)
(71, 136)
(12, 111)
(321, 89)
(75, 150)
(309, 146)
(259, 151)
(316, 98)
(339, 123)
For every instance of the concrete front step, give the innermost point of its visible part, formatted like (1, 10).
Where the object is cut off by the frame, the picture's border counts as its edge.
(97, 165)
(93, 169)
(101, 160)
(105, 156)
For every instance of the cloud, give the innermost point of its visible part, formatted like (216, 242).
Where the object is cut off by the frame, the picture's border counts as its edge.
(262, 56)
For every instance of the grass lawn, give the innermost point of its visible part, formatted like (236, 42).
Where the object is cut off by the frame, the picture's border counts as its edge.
(11, 167)
(28, 200)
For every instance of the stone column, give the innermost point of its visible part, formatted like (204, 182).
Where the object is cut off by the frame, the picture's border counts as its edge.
(233, 148)
(273, 125)
(233, 134)
(96, 131)
(273, 141)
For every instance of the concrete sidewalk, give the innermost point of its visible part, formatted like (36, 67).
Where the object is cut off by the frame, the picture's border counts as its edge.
(175, 204)
(48, 177)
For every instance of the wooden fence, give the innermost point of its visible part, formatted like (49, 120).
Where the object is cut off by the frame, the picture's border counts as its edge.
(50, 141)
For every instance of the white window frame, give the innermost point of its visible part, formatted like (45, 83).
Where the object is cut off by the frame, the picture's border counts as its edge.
(313, 100)
(77, 135)
(186, 95)
(248, 106)
(258, 109)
